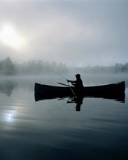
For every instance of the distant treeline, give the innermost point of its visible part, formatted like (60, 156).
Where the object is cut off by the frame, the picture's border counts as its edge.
(8, 67)
(117, 68)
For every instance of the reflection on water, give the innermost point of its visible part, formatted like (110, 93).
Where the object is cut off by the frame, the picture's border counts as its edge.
(78, 101)
(7, 86)
(50, 129)
(9, 116)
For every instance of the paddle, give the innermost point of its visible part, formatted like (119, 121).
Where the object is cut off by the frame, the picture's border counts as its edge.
(72, 90)
(69, 87)
(63, 84)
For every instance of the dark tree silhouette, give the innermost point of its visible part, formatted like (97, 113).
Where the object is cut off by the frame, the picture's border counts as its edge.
(7, 67)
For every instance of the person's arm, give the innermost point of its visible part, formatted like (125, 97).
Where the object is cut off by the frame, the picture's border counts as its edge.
(72, 82)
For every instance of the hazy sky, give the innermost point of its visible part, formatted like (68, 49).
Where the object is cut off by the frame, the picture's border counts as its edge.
(75, 32)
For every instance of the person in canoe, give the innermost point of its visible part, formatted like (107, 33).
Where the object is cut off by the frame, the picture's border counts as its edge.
(78, 85)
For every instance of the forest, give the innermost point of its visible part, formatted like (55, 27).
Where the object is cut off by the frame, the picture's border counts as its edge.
(8, 67)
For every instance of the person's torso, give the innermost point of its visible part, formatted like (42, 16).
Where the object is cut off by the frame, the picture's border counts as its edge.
(79, 83)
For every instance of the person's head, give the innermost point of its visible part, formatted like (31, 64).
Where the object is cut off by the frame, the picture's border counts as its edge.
(77, 76)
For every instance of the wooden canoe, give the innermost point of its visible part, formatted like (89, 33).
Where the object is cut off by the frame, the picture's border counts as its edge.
(110, 91)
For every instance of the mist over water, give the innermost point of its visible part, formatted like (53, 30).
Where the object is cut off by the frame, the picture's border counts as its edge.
(53, 129)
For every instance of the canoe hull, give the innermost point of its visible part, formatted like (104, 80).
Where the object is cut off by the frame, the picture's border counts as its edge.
(111, 91)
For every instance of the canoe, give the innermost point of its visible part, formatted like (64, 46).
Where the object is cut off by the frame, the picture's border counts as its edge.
(110, 91)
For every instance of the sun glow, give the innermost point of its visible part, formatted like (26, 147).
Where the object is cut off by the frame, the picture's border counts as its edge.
(10, 37)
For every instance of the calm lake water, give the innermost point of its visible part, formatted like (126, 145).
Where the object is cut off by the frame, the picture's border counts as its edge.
(52, 129)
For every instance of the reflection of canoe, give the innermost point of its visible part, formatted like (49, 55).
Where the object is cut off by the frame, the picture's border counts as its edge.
(111, 91)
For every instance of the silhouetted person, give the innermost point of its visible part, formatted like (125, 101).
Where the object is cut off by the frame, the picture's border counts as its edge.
(78, 84)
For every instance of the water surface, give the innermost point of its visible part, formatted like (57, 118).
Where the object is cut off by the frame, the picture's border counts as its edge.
(52, 129)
